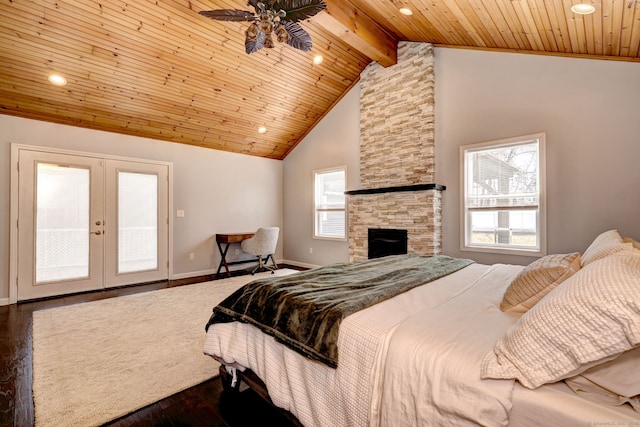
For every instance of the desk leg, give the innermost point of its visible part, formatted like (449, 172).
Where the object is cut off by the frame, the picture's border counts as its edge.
(223, 261)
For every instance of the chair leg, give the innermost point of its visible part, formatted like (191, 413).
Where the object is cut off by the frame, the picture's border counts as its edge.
(259, 266)
(262, 266)
(273, 267)
(273, 261)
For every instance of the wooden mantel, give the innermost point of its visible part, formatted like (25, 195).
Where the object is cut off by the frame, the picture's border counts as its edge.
(415, 187)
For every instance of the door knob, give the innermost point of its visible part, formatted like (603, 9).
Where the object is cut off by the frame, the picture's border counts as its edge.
(98, 223)
(97, 233)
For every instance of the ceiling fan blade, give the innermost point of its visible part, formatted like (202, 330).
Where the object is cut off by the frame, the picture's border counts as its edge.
(228, 15)
(251, 46)
(298, 37)
(298, 10)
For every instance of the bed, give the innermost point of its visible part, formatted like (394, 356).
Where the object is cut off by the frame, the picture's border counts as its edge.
(487, 345)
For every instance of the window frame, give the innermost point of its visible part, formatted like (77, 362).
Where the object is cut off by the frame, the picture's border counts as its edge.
(541, 217)
(316, 210)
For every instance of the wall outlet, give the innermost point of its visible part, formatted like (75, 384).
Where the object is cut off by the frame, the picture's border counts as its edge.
(192, 256)
(310, 250)
(180, 213)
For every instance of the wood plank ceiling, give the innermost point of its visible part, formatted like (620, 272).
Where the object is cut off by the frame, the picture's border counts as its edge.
(157, 69)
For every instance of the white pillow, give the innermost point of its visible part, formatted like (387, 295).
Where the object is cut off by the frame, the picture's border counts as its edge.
(591, 317)
(633, 242)
(604, 245)
(538, 279)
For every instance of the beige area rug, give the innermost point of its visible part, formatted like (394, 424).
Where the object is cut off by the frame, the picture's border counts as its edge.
(97, 361)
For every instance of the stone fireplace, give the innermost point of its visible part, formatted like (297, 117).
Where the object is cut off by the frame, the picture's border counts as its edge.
(397, 154)
(386, 241)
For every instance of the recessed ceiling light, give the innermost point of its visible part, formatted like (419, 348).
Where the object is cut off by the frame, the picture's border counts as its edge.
(406, 11)
(262, 129)
(583, 8)
(57, 79)
(318, 59)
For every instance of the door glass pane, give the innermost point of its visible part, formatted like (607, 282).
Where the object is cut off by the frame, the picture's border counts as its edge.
(137, 222)
(62, 223)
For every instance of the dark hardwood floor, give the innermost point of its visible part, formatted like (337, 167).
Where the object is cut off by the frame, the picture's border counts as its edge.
(203, 405)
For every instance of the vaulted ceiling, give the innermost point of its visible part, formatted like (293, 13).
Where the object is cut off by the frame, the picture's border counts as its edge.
(158, 69)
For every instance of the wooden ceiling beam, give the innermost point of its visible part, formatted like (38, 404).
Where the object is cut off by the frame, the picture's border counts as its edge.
(359, 31)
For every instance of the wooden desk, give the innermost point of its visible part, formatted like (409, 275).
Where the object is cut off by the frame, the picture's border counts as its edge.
(228, 239)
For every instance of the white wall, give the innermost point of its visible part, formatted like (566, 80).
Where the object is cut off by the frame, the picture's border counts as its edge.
(590, 112)
(219, 191)
(335, 141)
(588, 109)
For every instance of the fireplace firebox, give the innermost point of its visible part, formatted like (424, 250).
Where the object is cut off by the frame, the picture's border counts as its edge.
(387, 241)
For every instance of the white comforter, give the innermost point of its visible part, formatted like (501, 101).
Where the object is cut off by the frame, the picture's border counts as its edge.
(385, 377)
(431, 374)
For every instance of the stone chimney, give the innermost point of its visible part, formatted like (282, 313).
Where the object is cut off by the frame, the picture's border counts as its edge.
(397, 154)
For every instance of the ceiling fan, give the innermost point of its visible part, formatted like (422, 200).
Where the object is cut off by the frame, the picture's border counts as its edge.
(279, 17)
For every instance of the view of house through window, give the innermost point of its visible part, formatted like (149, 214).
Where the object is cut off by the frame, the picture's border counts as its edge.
(502, 195)
(330, 210)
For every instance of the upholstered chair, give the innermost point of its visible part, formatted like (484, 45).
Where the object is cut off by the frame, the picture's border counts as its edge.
(263, 245)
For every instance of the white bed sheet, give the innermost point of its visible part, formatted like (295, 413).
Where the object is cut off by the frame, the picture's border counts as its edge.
(557, 405)
(431, 376)
(315, 393)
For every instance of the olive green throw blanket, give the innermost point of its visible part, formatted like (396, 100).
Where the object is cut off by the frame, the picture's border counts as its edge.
(304, 310)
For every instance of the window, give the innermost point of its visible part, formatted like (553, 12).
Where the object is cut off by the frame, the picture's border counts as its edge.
(330, 212)
(503, 196)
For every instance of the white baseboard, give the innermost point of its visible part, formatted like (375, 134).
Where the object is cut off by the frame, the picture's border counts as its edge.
(298, 263)
(231, 268)
(4, 301)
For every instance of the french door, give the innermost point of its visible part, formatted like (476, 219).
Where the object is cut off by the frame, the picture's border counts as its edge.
(87, 223)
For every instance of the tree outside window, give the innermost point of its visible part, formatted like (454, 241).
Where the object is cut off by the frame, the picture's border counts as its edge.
(503, 195)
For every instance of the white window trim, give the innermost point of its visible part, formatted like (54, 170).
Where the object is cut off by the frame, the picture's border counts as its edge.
(542, 217)
(313, 209)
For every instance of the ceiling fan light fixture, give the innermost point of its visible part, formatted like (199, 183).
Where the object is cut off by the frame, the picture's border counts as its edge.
(266, 24)
(317, 60)
(583, 8)
(282, 34)
(268, 41)
(252, 32)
